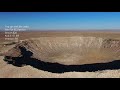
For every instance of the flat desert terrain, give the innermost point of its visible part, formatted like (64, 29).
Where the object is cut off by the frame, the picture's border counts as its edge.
(61, 54)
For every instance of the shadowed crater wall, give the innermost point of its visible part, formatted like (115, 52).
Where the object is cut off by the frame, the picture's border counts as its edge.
(64, 54)
(60, 68)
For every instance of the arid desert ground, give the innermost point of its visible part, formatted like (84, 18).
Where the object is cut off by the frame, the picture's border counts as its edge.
(62, 54)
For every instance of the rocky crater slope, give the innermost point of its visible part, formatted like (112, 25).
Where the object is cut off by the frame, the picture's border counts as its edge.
(74, 50)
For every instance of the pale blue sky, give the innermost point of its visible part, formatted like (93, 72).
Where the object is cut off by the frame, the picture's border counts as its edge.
(62, 20)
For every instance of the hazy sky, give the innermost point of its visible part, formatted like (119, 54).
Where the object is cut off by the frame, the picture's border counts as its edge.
(62, 20)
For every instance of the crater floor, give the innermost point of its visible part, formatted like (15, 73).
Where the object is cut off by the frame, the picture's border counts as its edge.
(70, 50)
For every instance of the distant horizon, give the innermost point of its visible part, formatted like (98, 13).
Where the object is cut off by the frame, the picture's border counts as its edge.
(70, 30)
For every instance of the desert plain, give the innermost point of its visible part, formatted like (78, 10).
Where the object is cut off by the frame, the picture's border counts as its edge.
(63, 54)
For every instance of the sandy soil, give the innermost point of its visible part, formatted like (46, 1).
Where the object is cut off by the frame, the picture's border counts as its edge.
(10, 71)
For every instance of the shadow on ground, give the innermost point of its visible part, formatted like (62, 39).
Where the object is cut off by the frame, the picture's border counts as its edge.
(59, 68)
